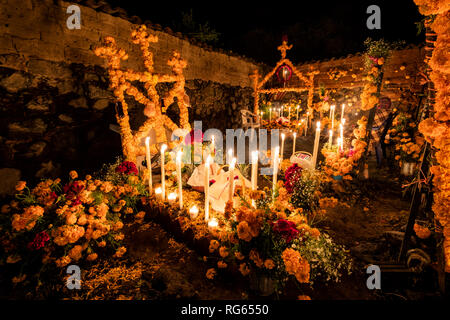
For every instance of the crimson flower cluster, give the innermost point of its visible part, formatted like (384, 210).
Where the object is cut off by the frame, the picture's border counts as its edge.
(292, 174)
(39, 241)
(287, 229)
(127, 167)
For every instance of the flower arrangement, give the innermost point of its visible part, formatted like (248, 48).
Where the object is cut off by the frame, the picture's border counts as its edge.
(54, 224)
(339, 163)
(408, 142)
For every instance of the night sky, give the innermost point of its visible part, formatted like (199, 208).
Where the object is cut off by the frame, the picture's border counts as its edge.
(317, 29)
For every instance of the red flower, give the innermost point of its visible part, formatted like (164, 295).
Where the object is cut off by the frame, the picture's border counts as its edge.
(39, 241)
(286, 229)
(72, 190)
(127, 167)
(292, 174)
(193, 137)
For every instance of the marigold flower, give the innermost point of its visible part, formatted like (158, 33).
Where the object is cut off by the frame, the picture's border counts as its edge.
(221, 265)
(213, 245)
(223, 251)
(239, 255)
(244, 269)
(73, 174)
(211, 273)
(269, 264)
(92, 257)
(20, 185)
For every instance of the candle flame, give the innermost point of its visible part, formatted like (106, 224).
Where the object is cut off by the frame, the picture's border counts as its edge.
(158, 190)
(163, 148)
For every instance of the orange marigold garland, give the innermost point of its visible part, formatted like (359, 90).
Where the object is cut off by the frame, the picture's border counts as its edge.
(121, 83)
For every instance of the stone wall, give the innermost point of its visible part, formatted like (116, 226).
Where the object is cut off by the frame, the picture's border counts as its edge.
(55, 105)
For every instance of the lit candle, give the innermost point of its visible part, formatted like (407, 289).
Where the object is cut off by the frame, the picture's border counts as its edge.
(339, 143)
(254, 173)
(316, 144)
(180, 182)
(163, 171)
(342, 112)
(293, 147)
(275, 171)
(213, 144)
(270, 113)
(208, 161)
(330, 141)
(158, 191)
(231, 179)
(149, 165)
(193, 212)
(282, 146)
(213, 223)
(172, 197)
(297, 111)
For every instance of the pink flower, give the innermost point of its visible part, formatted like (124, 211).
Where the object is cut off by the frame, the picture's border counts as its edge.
(193, 137)
(286, 229)
(39, 241)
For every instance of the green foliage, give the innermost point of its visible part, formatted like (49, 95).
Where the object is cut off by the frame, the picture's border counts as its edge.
(328, 260)
(202, 32)
(305, 190)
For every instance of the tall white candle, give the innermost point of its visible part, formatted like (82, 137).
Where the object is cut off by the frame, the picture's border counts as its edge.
(270, 113)
(295, 140)
(275, 171)
(231, 180)
(213, 145)
(207, 163)
(254, 173)
(342, 111)
(149, 165)
(316, 144)
(282, 146)
(163, 171)
(180, 182)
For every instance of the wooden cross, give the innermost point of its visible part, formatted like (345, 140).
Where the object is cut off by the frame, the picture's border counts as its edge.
(283, 48)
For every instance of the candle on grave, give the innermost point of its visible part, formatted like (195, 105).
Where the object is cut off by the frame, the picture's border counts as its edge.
(207, 165)
(158, 191)
(163, 171)
(172, 197)
(293, 147)
(254, 173)
(149, 165)
(330, 141)
(212, 224)
(180, 182)
(339, 144)
(231, 179)
(342, 111)
(275, 171)
(270, 113)
(282, 147)
(213, 145)
(193, 212)
(316, 144)
(297, 111)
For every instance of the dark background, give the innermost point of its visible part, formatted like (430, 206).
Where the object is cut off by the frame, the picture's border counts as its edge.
(317, 29)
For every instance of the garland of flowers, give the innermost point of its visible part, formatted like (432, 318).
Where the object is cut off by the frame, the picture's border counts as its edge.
(121, 83)
(436, 129)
